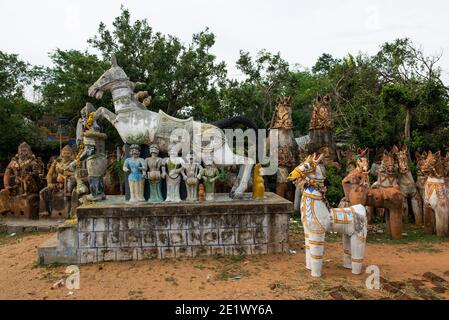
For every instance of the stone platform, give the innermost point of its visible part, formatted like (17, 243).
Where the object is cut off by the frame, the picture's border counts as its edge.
(17, 225)
(114, 230)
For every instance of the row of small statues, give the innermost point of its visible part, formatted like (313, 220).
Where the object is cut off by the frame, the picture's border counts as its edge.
(155, 169)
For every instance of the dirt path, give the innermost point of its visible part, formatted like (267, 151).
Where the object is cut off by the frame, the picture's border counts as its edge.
(405, 266)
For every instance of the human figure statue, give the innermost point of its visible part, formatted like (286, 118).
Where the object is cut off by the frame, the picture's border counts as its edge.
(191, 175)
(171, 171)
(22, 177)
(153, 166)
(209, 174)
(136, 168)
(94, 153)
(60, 178)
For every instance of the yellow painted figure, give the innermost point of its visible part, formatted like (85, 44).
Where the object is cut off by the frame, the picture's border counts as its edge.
(258, 183)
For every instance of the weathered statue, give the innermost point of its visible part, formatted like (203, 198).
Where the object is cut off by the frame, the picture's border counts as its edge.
(94, 154)
(209, 175)
(421, 178)
(317, 219)
(321, 115)
(22, 178)
(287, 155)
(136, 178)
(153, 166)
(60, 179)
(436, 194)
(171, 171)
(258, 182)
(136, 124)
(191, 175)
(408, 186)
(362, 166)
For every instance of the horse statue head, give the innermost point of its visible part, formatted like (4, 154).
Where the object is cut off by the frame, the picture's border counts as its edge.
(402, 156)
(433, 165)
(282, 117)
(309, 172)
(114, 77)
(388, 164)
(362, 161)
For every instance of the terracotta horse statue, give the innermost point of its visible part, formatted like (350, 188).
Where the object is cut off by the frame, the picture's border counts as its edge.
(436, 194)
(137, 125)
(318, 219)
(407, 185)
(389, 198)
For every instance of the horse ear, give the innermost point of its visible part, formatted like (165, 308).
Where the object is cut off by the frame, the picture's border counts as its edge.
(289, 99)
(395, 149)
(438, 154)
(318, 98)
(327, 99)
(424, 154)
(114, 60)
(405, 148)
(417, 155)
(279, 100)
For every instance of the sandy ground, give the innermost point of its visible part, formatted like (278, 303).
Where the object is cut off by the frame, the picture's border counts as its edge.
(280, 276)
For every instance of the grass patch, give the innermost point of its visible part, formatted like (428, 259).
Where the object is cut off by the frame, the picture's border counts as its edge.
(412, 234)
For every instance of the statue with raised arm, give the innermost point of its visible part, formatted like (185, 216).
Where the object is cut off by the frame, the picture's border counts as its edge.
(136, 178)
(191, 175)
(153, 166)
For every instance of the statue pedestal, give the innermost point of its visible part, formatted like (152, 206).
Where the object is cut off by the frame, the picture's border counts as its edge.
(114, 230)
(22, 206)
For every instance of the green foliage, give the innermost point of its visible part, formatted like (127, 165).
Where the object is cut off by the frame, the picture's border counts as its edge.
(334, 188)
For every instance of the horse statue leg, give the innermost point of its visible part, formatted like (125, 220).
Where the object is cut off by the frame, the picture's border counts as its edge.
(347, 262)
(105, 113)
(417, 208)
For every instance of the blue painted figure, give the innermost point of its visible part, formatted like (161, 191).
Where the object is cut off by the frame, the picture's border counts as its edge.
(136, 168)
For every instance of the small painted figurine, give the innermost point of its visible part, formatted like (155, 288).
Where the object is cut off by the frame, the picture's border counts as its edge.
(191, 175)
(209, 174)
(136, 168)
(258, 182)
(153, 166)
(201, 193)
(171, 171)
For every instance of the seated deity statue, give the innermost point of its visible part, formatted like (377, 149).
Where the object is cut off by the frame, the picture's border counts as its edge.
(22, 177)
(60, 179)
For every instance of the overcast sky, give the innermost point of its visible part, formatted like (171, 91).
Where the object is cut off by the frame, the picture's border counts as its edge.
(301, 30)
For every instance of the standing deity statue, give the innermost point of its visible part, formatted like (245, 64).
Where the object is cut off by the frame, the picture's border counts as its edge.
(209, 174)
(94, 153)
(191, 175)
(153, 166)
(60, 178)
(174, 165)
(136, 168)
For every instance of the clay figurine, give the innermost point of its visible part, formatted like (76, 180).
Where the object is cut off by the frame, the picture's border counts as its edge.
(258, 184)
(191, 175)
(153, 166)
(209, 174)
(136, 168)
(171, 171)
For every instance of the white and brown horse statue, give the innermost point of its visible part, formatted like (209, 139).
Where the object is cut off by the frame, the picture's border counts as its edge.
(318, 219)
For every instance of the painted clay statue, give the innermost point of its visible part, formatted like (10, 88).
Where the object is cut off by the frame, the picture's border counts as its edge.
(191, 176)
(436, 195)
(22, 181)
(258, 182)
(407, 185)
(153, 166)
(201, 193)
(209, 175)
(171, 171)
(317, 219)
(94, 154)
(60, 178)
(136, 178)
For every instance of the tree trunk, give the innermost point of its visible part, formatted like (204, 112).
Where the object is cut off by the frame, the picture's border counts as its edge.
(408, 123)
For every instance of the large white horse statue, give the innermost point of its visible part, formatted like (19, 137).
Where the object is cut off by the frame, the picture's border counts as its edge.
(317, 219)
(137, 125)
